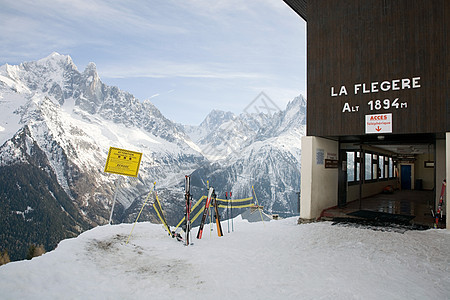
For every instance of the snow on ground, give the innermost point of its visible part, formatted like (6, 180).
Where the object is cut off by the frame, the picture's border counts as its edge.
(271, 260)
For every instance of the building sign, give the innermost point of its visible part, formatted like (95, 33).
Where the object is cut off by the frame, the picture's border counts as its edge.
(378, 101)
(331, 155)
(383, 103)
(123, 162)
(380, 71)
(381, 123)
(331, 163)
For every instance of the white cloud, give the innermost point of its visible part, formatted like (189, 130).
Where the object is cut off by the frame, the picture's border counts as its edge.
(165, 69)
(153, 96)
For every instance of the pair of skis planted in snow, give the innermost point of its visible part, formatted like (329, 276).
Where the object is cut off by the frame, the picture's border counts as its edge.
(187, 197)
(438, 214)
(211, 196)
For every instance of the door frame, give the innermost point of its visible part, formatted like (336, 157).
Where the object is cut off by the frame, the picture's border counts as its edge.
(412, 174)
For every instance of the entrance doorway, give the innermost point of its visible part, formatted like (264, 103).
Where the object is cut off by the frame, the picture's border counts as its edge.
(405, 177)
(380, 169)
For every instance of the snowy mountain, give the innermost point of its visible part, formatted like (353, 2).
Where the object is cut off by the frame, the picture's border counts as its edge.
(271, 260)
(222, 133)
(57, 125)
(62, 122)
(257, 150)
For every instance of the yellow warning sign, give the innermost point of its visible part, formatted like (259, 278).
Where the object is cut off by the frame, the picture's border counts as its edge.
(123, 162)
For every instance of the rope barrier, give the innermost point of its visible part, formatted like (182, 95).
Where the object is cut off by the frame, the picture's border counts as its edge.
(192, 209)
(220, 205)
(145, 202)
(235, 200)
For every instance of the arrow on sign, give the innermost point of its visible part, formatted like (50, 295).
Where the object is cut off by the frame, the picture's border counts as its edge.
(381, 123)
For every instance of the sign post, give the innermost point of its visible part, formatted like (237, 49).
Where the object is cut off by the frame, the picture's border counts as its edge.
(122, 162)
(114, 202)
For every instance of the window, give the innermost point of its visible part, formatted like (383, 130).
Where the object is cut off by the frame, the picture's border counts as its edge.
(358, 165)
(386, 167)
(374, 166)
(368, 166)
(381, 166)
(350, 166)
(391, 168)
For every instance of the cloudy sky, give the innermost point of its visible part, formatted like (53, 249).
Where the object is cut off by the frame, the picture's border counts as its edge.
(188, 57)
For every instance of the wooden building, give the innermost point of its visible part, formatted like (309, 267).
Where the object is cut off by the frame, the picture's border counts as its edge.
(378, 99)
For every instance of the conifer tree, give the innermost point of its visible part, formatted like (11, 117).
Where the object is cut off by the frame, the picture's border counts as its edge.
(35, 251)
(31, 251)
(39, 250)
(4, 258)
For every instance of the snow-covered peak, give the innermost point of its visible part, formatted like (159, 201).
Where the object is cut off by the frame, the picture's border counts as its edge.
(299, 102)
(55, 63)
(56, 58)
(57, 78)
(53, 75)
(215, 118)
(90, 68)
(290, 120)
(223, 133)
(295, 113)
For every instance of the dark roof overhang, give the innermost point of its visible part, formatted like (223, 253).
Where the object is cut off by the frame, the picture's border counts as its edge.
(299, 6)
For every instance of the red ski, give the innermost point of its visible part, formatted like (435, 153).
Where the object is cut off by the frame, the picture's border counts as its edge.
(205, 212)
(438, 214)
(217, 217)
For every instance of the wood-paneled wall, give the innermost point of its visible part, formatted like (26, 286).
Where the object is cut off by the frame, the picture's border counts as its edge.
(371, 41)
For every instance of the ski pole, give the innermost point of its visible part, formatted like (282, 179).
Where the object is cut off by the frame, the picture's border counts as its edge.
(228, 209)
(258, 206)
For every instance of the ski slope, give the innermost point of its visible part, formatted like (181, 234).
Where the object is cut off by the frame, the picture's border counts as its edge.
(270, 260)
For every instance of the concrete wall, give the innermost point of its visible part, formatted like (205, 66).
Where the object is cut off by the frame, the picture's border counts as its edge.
(319, 186)
(426, 174)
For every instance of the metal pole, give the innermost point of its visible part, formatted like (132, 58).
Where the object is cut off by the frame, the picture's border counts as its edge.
(114, 200)
(228, 210)
(232, 224)
(361, 161)
(258, 206)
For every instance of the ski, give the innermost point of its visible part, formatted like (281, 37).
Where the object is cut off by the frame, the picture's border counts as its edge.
(438, 214)
(205, 212)
(188, 197)
(217, 216)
